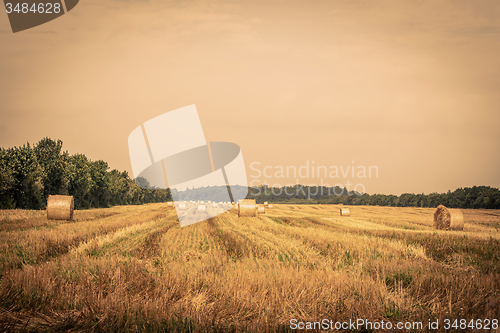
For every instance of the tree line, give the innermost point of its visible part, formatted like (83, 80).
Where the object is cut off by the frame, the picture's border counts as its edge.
(484, 197)
(29, 174)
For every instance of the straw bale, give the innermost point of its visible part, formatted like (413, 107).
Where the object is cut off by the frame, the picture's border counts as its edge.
(60, 207)
(247, 207)
(345, 212)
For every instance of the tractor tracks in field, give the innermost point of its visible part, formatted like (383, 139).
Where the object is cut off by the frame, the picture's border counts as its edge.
(151, 246)
(254, 238)
(227, 241)
(32, 247)
(140, 240)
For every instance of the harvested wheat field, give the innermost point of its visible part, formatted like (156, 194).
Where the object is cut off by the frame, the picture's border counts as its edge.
(133, 268)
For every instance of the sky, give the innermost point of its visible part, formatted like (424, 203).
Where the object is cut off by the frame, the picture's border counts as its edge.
(411, 88)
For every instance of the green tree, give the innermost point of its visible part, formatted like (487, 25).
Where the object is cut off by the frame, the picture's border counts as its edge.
(99, 191)
(53, 164)
(7, 181)
(79, 180)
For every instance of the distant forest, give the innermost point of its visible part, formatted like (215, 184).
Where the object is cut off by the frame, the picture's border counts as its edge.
(469, 197)
(28, 174)
(473, 197)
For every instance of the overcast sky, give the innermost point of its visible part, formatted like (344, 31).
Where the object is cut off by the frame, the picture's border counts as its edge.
(412, 87)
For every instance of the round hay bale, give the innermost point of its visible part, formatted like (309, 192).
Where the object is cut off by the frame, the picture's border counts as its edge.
(182, 206)
(170, 203)
(247, 207)
(269, 206)
(202, 208)
(214, 205)
(261, 210)
(266, 203)
(448, 219)
(60, 207)
(345, 212)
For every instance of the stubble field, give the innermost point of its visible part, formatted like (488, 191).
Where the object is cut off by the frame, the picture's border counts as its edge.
(133, 268)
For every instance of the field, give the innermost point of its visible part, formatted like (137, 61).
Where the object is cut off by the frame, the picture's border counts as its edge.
(133, 268)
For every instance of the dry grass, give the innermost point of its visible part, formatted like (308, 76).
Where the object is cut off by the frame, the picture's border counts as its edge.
(136, 269)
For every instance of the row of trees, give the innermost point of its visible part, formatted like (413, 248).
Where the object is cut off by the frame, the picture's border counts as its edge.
(28, 174)
(470, 197)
